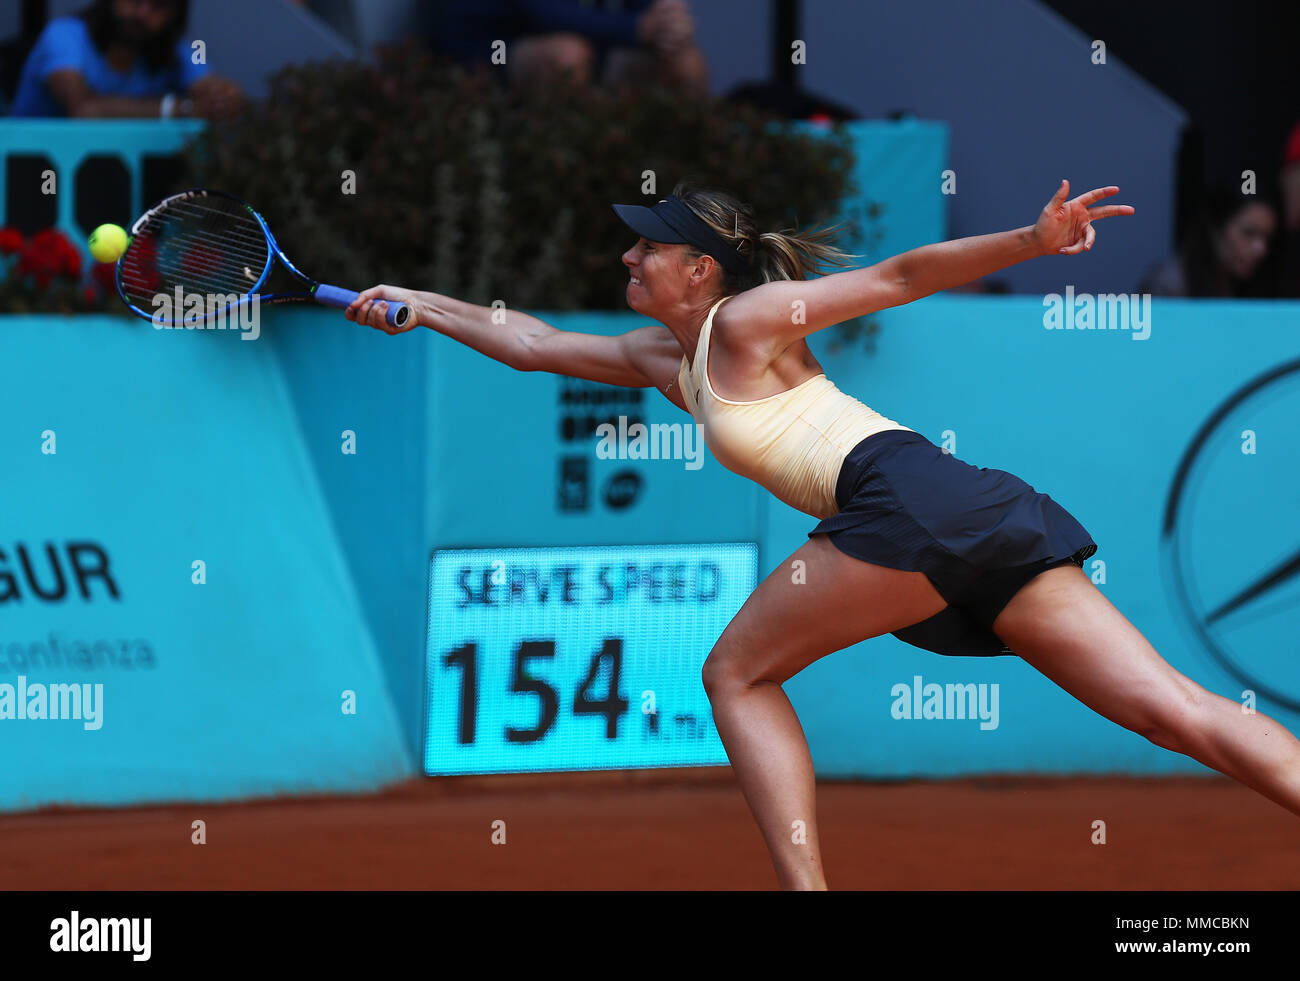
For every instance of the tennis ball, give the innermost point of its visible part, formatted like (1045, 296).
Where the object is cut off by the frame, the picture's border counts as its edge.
(108, 242)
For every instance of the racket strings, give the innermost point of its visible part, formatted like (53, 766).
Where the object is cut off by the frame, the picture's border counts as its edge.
(203, 244)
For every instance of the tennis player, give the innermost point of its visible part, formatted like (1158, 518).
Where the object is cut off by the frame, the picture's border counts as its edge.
(948, 557)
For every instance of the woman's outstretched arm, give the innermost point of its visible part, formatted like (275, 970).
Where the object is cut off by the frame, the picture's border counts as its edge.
(1063, 227)
(647, 357)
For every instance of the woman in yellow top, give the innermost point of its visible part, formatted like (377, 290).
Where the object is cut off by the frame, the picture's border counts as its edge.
(951, 558)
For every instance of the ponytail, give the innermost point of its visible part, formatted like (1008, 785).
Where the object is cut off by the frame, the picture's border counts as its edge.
(790, 255)
(772, 256)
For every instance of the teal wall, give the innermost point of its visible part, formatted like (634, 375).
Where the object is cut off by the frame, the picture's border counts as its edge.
(1098, 419)
(175, 446)
(315, 469)
(172, 447)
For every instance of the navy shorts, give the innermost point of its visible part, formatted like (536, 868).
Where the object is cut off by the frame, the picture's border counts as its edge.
(978, 534)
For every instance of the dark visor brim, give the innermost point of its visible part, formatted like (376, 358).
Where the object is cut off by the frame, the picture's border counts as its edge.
(647, 224)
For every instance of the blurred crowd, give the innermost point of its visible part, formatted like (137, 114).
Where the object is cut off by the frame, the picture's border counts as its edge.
(121, 58)
(132, 58)
(634, 40)
(1244, 240)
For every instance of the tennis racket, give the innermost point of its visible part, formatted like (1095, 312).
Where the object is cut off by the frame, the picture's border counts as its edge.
(212, 244)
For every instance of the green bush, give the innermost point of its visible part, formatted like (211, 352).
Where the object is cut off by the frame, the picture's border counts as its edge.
(469, 189)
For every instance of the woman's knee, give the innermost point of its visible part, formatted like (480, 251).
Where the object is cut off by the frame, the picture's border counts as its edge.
(722, 673)
(727, 669)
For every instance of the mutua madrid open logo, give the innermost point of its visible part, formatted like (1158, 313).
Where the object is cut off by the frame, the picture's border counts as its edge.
(1231, 534)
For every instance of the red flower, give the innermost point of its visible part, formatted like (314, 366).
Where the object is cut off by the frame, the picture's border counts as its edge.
(47, 238)
(47, 255)
(11, 240)
(70, 259)
(36, 260)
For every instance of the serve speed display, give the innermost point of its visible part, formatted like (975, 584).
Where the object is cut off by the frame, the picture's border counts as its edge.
(576, 658)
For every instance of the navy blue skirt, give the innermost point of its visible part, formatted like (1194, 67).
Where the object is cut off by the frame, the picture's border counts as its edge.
(978, 534)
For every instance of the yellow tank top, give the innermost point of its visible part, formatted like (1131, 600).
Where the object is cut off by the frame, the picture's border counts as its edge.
(793, 443)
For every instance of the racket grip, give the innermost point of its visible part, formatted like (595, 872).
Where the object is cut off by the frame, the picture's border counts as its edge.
(334, 296)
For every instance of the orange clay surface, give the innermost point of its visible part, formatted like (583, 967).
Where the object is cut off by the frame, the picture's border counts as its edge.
(673, 829)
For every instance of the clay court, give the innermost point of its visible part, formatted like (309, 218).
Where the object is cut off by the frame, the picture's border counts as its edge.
(673, 830)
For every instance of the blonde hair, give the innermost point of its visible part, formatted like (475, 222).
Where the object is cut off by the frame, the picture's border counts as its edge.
(788, 254)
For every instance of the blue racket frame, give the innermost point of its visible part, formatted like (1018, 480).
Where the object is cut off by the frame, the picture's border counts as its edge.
(331, 296)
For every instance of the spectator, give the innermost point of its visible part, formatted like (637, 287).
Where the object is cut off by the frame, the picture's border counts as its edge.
(1223, 253)
(1289, 179)
(640, 41)
(121, 58)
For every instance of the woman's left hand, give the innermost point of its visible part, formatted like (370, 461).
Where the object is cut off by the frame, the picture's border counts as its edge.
(1065, 227)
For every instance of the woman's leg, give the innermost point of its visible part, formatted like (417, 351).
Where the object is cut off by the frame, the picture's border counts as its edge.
(795, 616)
(1065, 627)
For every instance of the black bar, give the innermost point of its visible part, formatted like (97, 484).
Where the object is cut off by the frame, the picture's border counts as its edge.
(431, 931)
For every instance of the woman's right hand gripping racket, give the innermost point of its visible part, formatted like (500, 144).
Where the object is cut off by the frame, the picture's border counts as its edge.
(374, 306)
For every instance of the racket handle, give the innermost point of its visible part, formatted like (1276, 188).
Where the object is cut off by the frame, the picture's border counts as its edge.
(333, 296)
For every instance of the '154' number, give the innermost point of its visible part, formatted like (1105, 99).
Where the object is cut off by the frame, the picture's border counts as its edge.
(611, 706)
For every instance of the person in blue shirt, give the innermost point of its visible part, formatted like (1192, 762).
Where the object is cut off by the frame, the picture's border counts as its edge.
(121, 58)
(593, 40)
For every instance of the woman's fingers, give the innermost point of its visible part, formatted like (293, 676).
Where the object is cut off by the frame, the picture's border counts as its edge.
(1084, 243)
(363, 306)
(1071, 214)
(1108, 210)
(378, 310)
(375, 316)
(371, 308)
(1096, 194)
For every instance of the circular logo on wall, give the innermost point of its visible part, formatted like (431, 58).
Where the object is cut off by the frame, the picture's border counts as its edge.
(622, 488)
(1231, 534)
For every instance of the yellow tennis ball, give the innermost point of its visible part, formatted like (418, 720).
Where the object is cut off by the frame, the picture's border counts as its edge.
(108, 242)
